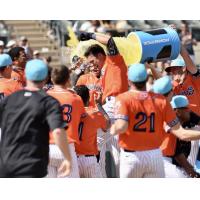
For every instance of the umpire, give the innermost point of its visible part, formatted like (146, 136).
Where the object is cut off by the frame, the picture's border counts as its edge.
(26, 117)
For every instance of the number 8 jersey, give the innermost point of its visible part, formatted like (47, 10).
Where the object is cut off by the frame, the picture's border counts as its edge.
(145, 112)
(73, 109)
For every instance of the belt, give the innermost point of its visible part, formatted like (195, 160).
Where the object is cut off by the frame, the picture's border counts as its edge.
(126, 150)
(97, 156)
(86, 155)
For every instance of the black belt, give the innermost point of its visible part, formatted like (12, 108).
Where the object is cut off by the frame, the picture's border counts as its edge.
(126, 150)
(97, 156)
(87, 155)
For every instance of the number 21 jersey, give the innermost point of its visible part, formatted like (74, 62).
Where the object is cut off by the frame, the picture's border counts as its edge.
(145, 112)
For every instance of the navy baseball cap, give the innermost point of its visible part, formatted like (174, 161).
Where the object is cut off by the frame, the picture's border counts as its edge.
(5, 60)
(137, 73)
(36, 70)
(162, 85)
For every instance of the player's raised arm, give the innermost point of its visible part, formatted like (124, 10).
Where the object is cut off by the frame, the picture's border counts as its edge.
(98, 102)
(156, 74)
(191, 67)
(103, 39)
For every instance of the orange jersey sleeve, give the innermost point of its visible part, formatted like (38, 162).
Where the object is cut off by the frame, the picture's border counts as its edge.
(88, 132)
(115, 80)
(145, 113)
(19, 76)
(82, 80)
(73, 109)
(8, 86)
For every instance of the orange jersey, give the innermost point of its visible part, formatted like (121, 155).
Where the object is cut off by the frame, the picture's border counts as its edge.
(93, 84)
(8, 86)
(146, 113)
(19, 76)
(114, 80)
(88, 132)
(168, 145)
(73, 109)
(191, 89)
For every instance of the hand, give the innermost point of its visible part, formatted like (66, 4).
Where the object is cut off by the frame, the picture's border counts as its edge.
(148, 65)
(192, 173)
(173, 26)
(65, 168)
(98, 97)
(83, 36)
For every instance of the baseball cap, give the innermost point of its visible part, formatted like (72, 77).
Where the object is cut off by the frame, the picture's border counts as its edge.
(36, 52)
(162, 85)
(1, 43)
(179, 62)
(5, 60)
(22, 38)
(11, 43)
(36, 70)
(137, 73)
(179, 101)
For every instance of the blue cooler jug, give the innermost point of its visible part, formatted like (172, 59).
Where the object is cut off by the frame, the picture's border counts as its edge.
(155, 45)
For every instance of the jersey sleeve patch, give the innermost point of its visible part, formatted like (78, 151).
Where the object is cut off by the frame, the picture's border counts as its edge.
(173, 122)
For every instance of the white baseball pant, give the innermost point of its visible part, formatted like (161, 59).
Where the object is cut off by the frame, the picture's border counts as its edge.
(141, 164)
(89, 167)
(171, 170)
(101, 142)
(112, 142)
(193, 152)
(56, 158)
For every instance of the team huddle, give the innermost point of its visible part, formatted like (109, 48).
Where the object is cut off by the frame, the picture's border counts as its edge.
(62, 121)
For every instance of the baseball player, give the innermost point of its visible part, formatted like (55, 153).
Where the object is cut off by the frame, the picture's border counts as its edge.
(188, 119)
(26, 117)
(7, 85)
(73, 109)
(140, 117)
(19, 59)
(87, 149)
(114, 77)
(186, 79)
(93, 82)
(168, 146)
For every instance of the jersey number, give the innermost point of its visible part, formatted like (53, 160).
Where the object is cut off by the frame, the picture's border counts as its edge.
(143, 119)
(80, 130)
(67, 110)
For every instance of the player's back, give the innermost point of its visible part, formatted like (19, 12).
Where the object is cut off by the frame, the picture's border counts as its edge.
(73, 108)
(8, 86)
(146, 113)
(88, 132)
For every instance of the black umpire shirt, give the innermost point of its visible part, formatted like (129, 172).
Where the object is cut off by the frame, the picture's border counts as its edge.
(184, 146)
(26, 117)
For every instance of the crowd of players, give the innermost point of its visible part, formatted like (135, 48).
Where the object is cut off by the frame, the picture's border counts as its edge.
(107, 113)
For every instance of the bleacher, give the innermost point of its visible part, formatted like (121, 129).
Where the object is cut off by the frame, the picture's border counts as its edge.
(4, 32)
